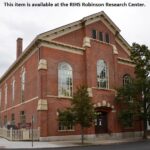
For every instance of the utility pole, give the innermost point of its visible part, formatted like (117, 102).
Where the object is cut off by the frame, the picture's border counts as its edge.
(32, 129)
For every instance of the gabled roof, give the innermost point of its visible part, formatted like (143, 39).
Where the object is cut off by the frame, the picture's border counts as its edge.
(50, 35)
(78, 24)
(58, 32)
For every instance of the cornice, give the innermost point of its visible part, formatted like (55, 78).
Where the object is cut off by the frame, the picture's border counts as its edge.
(37, 43)
(61, 46)
(126, 62)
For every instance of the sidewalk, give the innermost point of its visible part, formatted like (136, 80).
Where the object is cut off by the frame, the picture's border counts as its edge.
(17, 144)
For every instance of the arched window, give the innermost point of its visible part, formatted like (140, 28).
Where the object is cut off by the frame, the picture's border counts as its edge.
(102, 74)
(64, 80)
(126, 79)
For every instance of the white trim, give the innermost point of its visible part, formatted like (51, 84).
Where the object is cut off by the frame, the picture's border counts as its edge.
(51, 44)
(99, 15)
(16, 68)
(101, 42)
(63, 47)
(70, 70)
(72, 130)
(108, 26)
(76, 25)
(123, 63)
(52, 96)
(59, 97)
(123, 46)
(62, 32)
(125, 59)
(127, 62)
(79, 24)
(18, 105)
(65, 97)
(96, 88)
(106, 75)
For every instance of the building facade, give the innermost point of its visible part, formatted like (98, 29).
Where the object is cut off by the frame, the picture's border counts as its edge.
(45, 75)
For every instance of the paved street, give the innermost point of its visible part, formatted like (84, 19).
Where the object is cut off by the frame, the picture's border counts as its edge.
(120, 144)
(142, 145)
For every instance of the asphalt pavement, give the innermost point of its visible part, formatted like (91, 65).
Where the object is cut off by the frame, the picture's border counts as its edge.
(5, 144)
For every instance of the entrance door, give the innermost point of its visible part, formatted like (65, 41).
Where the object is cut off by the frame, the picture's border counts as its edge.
(101, 122)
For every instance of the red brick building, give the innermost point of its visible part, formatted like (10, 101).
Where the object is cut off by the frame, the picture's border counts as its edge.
(44, 76)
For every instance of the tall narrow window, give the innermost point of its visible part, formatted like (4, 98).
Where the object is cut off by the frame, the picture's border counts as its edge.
(94, 34)
(22, 85)
(13, 91)
(100, 36)
(22, 117)
(65, 80)
(5, 120)
(102, 74)
(12, 119)
(5, 95)
(107, 38)
(126, 79)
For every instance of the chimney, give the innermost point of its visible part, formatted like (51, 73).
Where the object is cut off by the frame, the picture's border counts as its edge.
(19, 47)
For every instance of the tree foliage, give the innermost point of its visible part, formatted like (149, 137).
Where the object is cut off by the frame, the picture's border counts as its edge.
(135, 98)
(129, 104)
(82, 107)
(81, 111)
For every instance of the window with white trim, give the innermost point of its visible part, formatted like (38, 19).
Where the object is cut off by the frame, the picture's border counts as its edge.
(22, 84)
(102, 74)
(13, 90)
(63, 127)
(22, 117)
(6, 95)
(65, 80)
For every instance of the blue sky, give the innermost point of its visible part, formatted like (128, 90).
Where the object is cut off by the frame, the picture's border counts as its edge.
(27, 22)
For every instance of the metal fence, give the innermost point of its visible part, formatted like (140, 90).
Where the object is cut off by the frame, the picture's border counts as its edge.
(20, 135)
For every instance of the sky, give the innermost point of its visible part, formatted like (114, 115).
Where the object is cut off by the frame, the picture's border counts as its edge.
(28, 21)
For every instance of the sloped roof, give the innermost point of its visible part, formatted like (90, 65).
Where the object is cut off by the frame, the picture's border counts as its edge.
(89, 19)
(55, 33)
(50, 35)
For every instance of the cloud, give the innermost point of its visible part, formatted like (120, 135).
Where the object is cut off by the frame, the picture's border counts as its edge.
(29, 22)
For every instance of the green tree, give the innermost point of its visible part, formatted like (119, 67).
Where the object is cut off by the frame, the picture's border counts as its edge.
(134, 98)
(81, 111)
(129, 104)
(140, 55)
